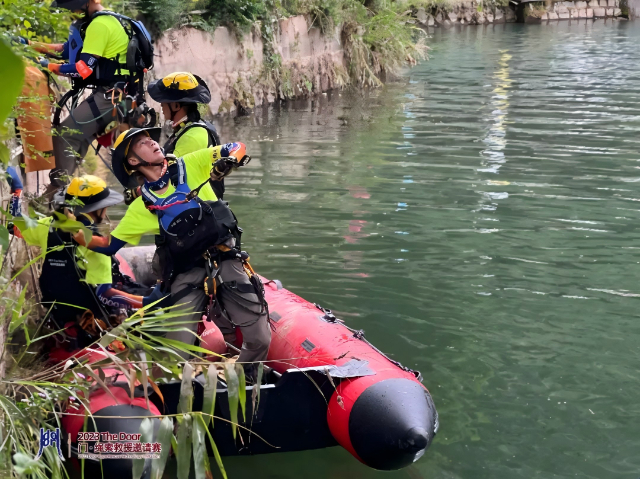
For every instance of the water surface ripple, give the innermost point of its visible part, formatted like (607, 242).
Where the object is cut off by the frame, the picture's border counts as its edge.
(480, 223)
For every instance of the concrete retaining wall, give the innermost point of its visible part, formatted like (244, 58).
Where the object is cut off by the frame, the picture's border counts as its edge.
(234, 69)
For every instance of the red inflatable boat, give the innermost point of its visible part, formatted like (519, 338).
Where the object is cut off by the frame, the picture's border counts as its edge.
(328, 385)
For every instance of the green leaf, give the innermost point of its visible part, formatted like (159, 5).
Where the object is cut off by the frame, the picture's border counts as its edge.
(5, 154)
(63, 223)
(255, 394)
(242, 390)
(186, 390)
(146, 431)
(24, 464)
(232, 394)
(12, 74)
(165, 434)
(18, 319)
(216, 453)
(54, 462)
(183, 454)
(209, 399)
(4, 238)
(199, 449)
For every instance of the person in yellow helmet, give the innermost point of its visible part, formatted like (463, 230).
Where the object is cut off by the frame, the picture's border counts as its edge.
(197, 236)
(179, 95)
(77, 283)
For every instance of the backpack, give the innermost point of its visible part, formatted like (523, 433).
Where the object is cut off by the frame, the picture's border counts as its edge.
(140, 50)
(188, 226)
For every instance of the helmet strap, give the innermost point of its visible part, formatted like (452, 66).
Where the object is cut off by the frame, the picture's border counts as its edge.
(178, 123)
(162, 182)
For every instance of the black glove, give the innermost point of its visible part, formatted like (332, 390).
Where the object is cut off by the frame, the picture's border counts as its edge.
(223, 167)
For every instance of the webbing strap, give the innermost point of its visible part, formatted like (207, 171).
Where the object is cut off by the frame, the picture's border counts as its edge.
(97, 114)
(184, 292)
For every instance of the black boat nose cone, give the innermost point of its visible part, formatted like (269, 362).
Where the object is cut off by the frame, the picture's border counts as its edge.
(416, 439)
(392, 423)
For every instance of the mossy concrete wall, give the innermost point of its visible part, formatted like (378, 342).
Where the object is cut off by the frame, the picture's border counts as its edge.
(303, 61)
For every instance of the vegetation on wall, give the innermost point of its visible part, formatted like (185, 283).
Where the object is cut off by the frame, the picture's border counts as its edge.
(379, 36)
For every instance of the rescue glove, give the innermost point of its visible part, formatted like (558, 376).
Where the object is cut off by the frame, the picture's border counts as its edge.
(224, 166)
(156, 295)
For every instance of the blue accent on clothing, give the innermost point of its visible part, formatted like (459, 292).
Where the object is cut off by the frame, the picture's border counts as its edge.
(13, 178)
(65, 51)
(113, 247)
(68, 69)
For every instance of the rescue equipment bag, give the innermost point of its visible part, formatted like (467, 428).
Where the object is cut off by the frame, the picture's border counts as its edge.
(140, 49)
(139, 57)
(189, 227)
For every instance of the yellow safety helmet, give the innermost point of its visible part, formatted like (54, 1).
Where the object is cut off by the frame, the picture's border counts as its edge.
(93, 193)
(181, 87)
(120, 150)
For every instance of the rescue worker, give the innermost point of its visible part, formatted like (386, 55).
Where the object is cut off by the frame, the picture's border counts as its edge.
(97, 57)
(197, 236)
(179, 95)
(76, 283)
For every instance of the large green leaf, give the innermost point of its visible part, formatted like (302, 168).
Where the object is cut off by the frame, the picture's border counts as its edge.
(146, 431)
(216, 453)
(186, 390)
(4, 238)
(255, 394)
(199, 449)
(242, 390)
(26, 465)
(12, 74)
(183, 454)
(232, 394)
(209, 399)
(165, 433)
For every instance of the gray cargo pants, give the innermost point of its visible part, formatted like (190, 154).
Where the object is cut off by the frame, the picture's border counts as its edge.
(74, 135)
(256, 334)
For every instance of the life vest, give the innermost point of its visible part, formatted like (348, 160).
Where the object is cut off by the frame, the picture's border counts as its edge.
(139, 55)
(214, 140)
(189, 227)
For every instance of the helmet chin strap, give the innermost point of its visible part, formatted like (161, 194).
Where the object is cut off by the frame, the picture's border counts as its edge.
(145, 162)
(161, 182)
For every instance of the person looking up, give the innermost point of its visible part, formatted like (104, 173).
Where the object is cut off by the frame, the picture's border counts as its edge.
(197, 237)
(179, 95)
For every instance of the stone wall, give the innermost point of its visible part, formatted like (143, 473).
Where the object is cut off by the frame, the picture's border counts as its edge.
(234, 68)
(465, 13)
(577, 10)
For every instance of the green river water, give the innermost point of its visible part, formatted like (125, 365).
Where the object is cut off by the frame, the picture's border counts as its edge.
(480, 222)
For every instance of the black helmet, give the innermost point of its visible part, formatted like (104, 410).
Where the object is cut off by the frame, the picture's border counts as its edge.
(92, 191)
(182, 87)
(72, 5)
(120, 151)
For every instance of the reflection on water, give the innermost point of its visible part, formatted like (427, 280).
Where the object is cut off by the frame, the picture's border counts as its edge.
(480, 224)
